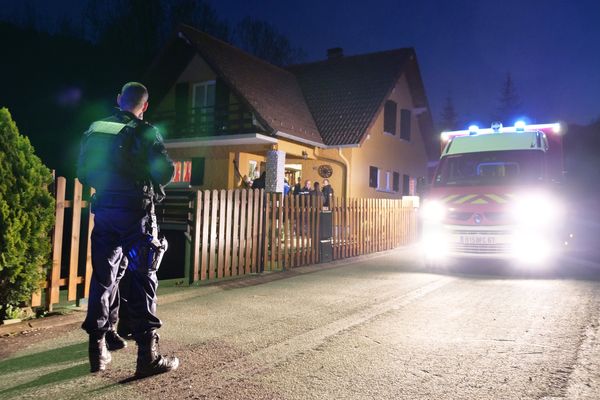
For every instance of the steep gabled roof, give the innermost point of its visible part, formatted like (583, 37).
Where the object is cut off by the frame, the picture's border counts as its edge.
(345, 94)
(272, 92)
(332, 102)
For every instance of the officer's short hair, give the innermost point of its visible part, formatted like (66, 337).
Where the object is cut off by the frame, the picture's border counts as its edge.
(133, 95)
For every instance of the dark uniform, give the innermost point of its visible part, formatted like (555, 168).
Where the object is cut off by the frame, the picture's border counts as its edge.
(125, 160)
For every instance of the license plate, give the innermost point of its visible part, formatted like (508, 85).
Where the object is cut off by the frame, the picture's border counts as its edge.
(477, 239)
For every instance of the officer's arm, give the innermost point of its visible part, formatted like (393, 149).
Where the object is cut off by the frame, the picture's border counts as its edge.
(161, 167)
(82, 167)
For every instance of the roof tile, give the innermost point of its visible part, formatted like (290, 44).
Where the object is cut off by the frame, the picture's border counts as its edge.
(344, 94)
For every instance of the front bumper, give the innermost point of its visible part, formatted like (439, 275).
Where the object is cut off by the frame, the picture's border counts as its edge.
(442, 242)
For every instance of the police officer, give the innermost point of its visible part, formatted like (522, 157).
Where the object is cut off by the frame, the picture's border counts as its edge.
(124, 159)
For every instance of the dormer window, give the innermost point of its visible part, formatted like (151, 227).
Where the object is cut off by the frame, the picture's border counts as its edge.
(389, 117)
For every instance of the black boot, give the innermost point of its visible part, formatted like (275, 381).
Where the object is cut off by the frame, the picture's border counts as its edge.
(149, 362)
(114, 341)
(98, 353)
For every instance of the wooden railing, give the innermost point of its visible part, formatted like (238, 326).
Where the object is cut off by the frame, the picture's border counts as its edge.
(232, 233)
(205, 121)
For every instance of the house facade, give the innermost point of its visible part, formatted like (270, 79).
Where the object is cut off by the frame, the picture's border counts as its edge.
(361, 121)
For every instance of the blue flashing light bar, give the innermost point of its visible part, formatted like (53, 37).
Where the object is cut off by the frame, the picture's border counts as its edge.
(520, 126)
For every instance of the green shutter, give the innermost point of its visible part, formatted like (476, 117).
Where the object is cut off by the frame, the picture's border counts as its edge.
(197, 178)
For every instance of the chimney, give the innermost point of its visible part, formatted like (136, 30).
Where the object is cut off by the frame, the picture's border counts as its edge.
(335, 52)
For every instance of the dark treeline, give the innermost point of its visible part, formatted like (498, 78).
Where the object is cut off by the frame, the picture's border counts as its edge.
(56, 83)
(582, 161)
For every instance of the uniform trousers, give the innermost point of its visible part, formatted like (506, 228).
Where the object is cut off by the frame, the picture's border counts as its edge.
(124, 239)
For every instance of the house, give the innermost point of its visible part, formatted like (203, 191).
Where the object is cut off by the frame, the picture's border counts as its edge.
(362, 121)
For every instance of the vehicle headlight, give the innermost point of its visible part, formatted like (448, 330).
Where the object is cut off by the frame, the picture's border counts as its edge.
(433, 211)
(536, 210)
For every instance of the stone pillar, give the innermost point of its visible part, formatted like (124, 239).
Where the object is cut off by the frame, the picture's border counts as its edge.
(275, 171)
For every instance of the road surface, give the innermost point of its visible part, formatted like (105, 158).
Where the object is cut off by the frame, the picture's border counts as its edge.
(380, 328)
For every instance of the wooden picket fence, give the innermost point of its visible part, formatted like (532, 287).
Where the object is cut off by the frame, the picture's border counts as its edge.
(73, 281)
(362, 226)
(227, 233)
(291, 230)
(232, 233)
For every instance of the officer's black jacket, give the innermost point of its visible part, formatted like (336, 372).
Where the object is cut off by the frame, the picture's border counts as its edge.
(122, 155)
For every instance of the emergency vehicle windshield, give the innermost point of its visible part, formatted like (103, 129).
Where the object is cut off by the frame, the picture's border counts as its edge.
(512, 167)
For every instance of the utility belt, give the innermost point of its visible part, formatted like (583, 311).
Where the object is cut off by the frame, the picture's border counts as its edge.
(121, 201)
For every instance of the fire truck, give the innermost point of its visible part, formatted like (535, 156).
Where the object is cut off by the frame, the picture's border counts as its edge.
(496, 194)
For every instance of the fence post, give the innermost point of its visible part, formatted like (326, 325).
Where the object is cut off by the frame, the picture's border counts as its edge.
(88, 254)
(52, 294)
(195, 275)
(75, 234)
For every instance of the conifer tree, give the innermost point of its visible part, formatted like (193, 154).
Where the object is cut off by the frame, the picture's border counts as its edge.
(26, 217)
(449, 116)
(509, 103)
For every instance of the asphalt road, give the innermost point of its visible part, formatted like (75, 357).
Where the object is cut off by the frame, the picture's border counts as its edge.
(375, 329)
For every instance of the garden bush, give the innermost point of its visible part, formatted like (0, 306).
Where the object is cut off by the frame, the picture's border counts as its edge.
(26, 217)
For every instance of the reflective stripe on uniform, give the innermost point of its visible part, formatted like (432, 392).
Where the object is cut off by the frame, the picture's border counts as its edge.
(111, 128)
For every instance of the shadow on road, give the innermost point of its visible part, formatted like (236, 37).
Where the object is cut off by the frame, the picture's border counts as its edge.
(62, 375)
(75, 352)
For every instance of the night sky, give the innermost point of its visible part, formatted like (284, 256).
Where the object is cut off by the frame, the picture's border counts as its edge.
(465, 48)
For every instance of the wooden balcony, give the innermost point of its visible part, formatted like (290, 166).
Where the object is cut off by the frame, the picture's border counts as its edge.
(197, 122)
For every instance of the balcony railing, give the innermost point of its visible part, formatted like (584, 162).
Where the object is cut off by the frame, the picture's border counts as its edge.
(205, 121)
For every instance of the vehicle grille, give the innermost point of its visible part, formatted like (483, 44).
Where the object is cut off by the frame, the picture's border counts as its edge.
(460, 216)
(481, 232)
(481, 248)
(496, 216)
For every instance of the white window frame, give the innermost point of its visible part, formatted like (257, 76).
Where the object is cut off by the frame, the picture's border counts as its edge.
(389, 176)
(203, 85)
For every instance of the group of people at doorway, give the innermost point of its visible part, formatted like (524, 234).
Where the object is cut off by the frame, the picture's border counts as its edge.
(309, 188)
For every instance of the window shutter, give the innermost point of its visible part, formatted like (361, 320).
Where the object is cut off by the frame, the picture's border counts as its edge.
(197, 178)
(405, 116)
(405, 185)
(389, 117)
(373, 172)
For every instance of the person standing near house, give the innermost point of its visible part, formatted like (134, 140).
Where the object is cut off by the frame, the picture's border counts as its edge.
(124, 159)
(298, 186)
(260, 182)
(327, 192)
(307, 188)
(316, 189)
